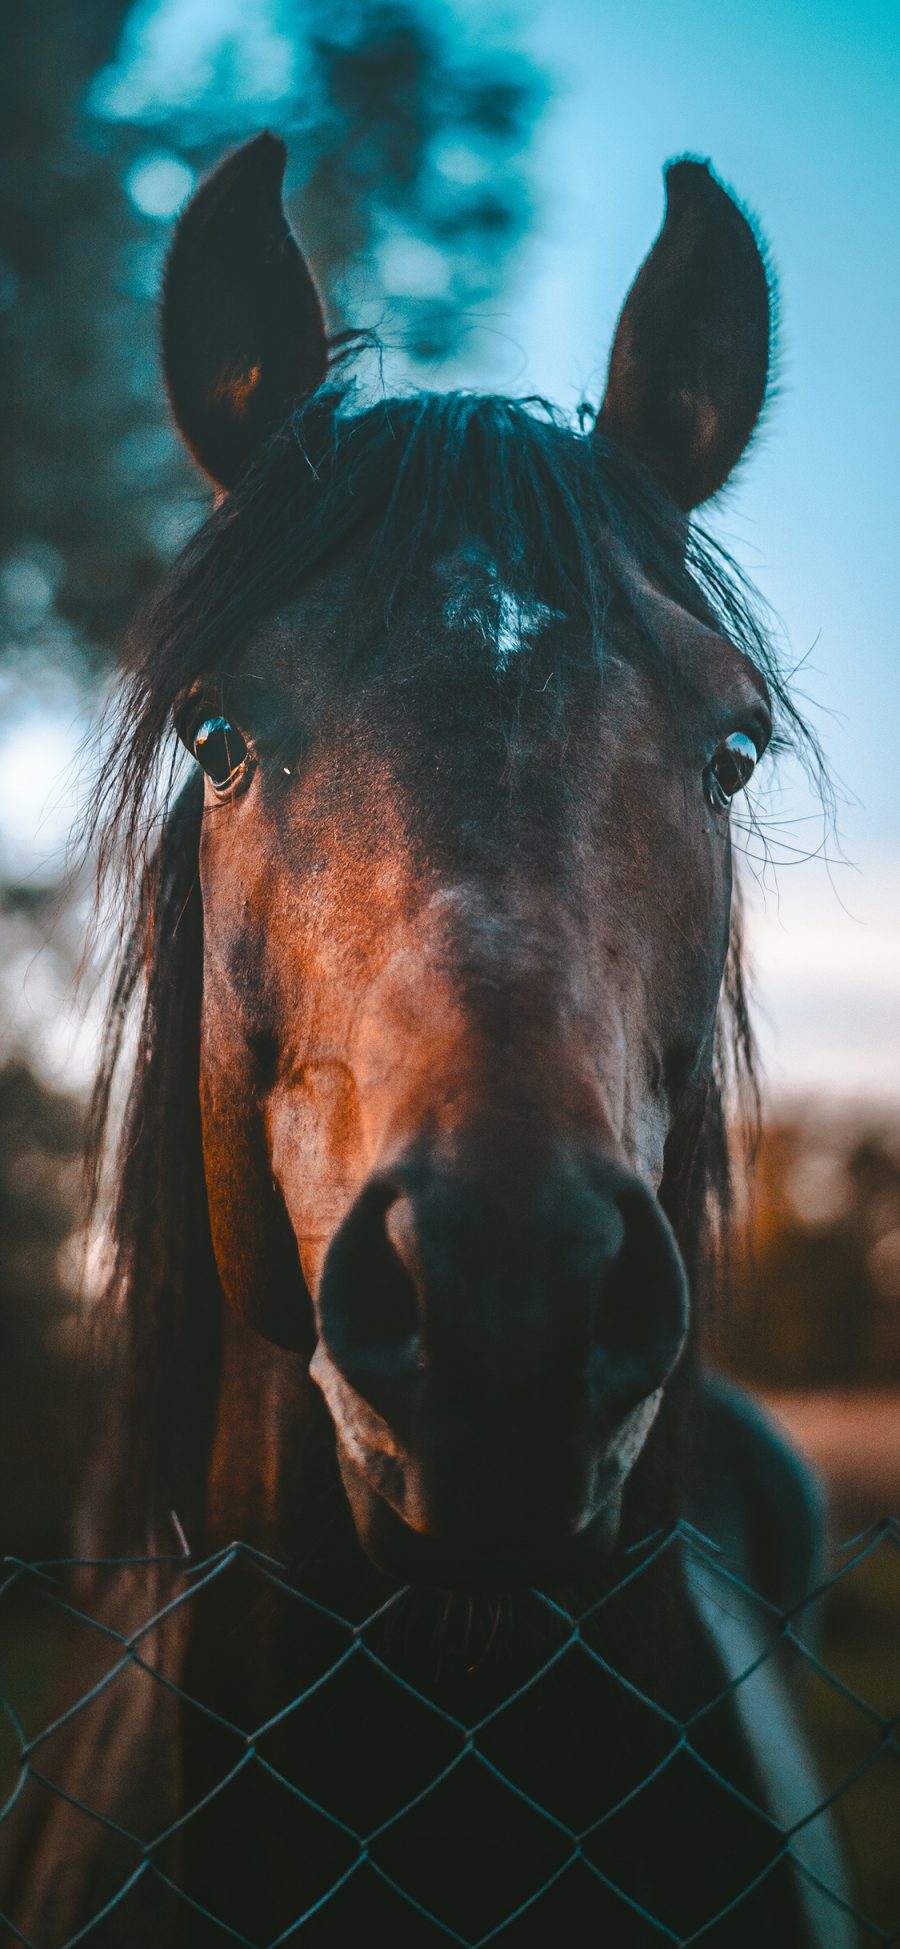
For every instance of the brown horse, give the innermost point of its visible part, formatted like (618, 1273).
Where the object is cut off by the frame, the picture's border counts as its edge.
(424, 1154)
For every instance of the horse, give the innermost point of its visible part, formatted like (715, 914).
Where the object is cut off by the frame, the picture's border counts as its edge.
(423, 1168)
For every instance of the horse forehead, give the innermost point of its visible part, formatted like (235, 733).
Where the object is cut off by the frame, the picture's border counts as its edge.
(467, 648)
(479, 598)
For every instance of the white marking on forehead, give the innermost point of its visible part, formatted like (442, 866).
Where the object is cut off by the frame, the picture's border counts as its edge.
(517, 621)
(505, 620)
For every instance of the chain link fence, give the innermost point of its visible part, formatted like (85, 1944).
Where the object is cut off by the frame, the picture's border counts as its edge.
(69, 1634)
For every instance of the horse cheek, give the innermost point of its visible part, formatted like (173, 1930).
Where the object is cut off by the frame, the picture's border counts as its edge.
(253, 1242)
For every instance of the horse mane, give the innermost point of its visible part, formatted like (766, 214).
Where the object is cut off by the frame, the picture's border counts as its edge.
(562, 513)
(160, 1311)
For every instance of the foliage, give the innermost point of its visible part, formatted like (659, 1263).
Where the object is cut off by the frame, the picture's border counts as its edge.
(407, 155)
(44, 1392)
(816, 1300)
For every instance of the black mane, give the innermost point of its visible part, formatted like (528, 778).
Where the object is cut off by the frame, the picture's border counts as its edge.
(563, 513)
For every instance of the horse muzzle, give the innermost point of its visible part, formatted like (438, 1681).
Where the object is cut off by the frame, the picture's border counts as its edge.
(493, 1356)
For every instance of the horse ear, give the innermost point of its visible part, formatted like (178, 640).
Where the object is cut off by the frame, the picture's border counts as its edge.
(242, 327)
(688, 369)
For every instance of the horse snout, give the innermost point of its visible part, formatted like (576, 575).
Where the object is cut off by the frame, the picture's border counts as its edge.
(493, 1360)
(641, 1310)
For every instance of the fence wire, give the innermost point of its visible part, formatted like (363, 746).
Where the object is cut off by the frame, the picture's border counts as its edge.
(804, 1839)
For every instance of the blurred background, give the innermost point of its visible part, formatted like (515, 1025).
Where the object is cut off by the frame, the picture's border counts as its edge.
(479, 182)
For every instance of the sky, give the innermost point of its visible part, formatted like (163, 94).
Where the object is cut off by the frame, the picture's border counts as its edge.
(798, 108)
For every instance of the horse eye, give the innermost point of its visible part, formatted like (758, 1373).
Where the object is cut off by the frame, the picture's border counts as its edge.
(221, 751)
(730, 770)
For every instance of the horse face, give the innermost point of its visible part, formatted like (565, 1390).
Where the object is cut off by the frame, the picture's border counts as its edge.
(461, 974)
(466, 910)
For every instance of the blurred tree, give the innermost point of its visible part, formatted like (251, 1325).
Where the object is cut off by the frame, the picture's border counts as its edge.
(408, 156)
(44, 1396)
(69, 541)
(412, 169)
(816, 1299)
(407, 141)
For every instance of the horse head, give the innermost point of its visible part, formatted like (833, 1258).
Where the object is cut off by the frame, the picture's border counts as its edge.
(465, 871)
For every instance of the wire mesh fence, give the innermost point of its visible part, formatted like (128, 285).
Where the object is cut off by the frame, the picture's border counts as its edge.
(93, 1777)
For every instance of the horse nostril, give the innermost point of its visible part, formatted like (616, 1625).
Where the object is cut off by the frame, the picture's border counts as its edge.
(577, 1298)
(400, 1226)
(641, 1317)
(369, 1307)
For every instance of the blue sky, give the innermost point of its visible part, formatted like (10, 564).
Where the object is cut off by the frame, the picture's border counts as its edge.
(798, 107)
